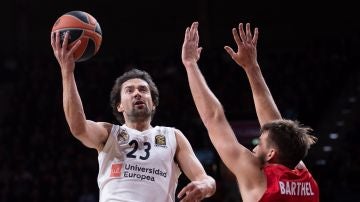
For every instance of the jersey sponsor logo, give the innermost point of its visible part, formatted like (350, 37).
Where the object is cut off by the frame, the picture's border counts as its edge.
(122, 137)
(295, 188)
(160, 141)
(143, 169)
(139, 176)
(142, 172)
(116, 170)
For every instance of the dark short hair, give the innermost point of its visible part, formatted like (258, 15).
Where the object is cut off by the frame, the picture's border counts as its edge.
(292, 139)
(115, 96)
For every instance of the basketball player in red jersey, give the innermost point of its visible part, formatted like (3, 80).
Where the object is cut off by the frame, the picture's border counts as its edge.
(274, 170)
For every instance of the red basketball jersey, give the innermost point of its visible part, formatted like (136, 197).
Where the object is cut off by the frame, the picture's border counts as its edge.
(284, 184)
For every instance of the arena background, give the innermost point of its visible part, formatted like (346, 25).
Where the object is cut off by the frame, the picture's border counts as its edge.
(308, 52)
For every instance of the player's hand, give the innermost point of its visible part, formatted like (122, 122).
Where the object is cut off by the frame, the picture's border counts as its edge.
(190, 49)
(194, 191)
(246, 55)
(64, 56)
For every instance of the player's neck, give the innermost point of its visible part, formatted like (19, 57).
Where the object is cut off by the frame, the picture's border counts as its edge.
(140, 126)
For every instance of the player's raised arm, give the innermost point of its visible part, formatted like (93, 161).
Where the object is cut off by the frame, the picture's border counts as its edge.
(91, 134)
(246, 57)
(236, 157)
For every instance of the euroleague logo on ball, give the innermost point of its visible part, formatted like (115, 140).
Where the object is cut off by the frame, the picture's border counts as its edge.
(62, 36)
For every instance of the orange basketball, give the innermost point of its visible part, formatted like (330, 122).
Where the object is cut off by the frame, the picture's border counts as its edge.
(81, 26)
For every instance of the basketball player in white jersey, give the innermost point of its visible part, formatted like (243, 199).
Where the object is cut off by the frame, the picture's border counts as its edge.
(137, 162)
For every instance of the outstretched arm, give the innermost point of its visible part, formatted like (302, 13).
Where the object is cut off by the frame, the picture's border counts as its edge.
(236, 157)
(246, 57)
(90, 133)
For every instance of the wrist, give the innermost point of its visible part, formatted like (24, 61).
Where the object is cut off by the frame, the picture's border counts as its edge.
(66, 74)
(253, 69)
(210, 187)
(190, 65)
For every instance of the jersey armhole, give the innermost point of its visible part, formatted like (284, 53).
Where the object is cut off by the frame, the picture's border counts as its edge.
(110, 138)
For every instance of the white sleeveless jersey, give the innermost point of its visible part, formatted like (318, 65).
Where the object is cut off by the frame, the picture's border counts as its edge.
(138, 166)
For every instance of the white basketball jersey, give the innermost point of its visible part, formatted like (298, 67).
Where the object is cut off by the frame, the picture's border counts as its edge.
(138, 166)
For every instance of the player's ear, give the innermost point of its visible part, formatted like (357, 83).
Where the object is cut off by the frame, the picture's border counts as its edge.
(120, 108)
(271, 155)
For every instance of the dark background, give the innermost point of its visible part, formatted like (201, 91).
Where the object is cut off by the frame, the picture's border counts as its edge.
(307, 52)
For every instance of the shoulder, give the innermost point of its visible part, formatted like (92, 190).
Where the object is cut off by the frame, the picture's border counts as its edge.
(271, 167)
(106, 125)
(181, 141)
(178, 132)
(301, 166)
(179, 135)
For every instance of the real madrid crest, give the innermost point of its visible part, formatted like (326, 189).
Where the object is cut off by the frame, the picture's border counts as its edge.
(122, 137)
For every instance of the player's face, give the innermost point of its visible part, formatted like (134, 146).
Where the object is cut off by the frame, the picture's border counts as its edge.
(136, 103)
(262, 150)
